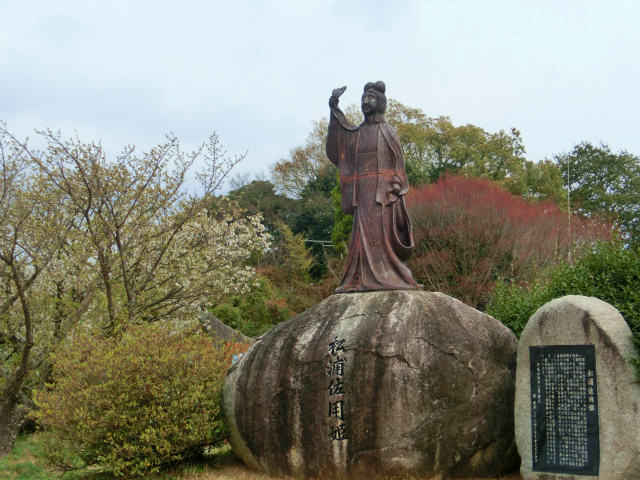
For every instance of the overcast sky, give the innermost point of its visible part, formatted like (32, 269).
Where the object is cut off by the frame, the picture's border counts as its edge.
(259, 72)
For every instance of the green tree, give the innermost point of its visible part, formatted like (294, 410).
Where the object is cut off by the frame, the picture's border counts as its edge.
(604, 183)
(260, 196)
(316, 216)
(342, 223)
(283, 286)
(34, 239)
(107, 243)
(292, 175)
(157, 252)
(309, 177)
(433, 147)
(544, 181)
(292, 254)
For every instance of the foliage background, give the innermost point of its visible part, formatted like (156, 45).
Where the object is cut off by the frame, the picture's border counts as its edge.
(470, 232)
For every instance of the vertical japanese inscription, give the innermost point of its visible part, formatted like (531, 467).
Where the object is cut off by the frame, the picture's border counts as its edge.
(335, 371)
(564, 409)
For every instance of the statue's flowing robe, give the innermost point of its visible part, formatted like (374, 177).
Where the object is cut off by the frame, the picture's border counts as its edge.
(370, 160)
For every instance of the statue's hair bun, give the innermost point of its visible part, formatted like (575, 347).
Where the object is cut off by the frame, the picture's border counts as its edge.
(379, 86)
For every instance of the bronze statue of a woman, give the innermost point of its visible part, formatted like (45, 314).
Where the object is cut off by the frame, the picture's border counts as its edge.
(374, 184)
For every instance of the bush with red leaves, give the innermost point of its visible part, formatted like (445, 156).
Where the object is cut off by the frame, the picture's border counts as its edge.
(469, 232)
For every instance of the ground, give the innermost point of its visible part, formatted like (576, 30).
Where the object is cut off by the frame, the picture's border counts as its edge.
(26, 462)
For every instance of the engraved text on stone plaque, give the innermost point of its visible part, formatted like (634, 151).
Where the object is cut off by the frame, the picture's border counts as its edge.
(564, 409)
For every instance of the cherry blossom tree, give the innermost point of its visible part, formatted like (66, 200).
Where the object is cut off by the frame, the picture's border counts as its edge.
(96, 243)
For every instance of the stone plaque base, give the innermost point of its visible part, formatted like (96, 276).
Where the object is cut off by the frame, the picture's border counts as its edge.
(577, 405)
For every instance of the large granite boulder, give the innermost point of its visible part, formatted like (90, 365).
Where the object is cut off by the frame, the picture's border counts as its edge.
(377, 384)
(577, 405)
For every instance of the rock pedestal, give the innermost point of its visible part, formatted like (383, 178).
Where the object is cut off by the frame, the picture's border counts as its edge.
(377, 384)
(577, 395)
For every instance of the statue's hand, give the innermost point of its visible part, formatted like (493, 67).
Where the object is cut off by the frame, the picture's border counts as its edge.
(392, 195)
(338, 91)
(335, 95)
(393, 189)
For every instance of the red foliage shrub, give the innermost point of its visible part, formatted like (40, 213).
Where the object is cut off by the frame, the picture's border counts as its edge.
(470, 231)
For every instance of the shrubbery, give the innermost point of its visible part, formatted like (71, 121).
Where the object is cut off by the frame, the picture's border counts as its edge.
(513, 304)
(278, 296)
(136, 403)
(469, 232)
(610, 272)
(255, 312)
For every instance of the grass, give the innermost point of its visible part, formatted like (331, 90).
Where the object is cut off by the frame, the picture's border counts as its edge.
(27, 462)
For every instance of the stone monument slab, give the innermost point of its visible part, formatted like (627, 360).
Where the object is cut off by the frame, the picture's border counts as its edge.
(577, 394)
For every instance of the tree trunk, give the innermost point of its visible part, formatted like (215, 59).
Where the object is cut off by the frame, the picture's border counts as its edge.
(12, 413)
(12, 416)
